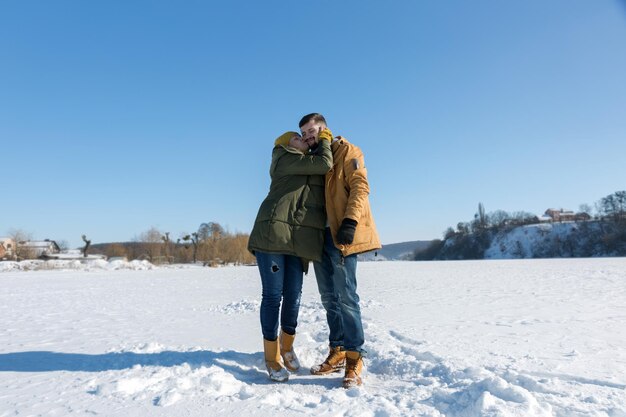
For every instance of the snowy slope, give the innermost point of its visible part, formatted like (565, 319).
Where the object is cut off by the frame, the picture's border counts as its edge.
(531, 240)
(521, 241)
(460, 339)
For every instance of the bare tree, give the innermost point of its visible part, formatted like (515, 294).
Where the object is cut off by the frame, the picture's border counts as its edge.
(193, 240)
(183, 254)
(151, 244)
(498, 218)
(523, 218)
(209, 237)
(585, 208)
(210, 231)
(167, 243)
(20, 236)
(481, 217)
(614, 205)
(87, 244)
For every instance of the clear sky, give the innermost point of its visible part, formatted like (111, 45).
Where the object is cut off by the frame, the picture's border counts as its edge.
(116, 116)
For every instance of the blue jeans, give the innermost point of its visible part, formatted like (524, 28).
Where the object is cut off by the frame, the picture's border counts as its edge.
(281, 278)
(336, 282)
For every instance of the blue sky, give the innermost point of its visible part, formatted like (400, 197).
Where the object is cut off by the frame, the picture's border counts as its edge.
(119, 116)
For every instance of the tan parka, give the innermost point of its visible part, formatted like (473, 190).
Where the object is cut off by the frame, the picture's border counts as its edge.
(347, 191)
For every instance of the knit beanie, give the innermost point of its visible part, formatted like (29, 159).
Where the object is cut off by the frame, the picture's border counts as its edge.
(284, 138)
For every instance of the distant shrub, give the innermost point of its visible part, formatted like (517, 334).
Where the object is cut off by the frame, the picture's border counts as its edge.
(430, 252)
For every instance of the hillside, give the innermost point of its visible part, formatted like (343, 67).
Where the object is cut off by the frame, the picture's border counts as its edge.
(560, 240)
(545, 240)
(532, 241)
(396, 251)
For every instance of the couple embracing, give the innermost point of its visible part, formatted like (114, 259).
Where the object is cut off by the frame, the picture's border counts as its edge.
(317, 210)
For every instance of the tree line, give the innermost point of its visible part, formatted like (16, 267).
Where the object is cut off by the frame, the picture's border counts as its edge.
(210, 245)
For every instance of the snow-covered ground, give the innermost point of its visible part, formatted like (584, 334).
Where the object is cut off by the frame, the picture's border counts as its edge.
(464, 339)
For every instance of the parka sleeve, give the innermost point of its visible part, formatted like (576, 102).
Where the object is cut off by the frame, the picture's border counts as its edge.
(290, 163)
(359, 189)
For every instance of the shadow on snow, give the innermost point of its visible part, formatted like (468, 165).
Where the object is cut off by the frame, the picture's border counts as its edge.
(80, 362)
(246, 367)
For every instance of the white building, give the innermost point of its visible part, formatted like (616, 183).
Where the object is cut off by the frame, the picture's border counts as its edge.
(37, 248)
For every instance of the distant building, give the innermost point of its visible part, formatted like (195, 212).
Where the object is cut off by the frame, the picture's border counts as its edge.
(38, 248)
(562, 215)
(7, 248)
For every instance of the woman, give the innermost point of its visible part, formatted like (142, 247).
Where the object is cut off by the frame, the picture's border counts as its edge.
(289, 232)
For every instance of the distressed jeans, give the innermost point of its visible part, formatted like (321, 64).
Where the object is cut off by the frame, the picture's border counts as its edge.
(336, 282)
(281, 278)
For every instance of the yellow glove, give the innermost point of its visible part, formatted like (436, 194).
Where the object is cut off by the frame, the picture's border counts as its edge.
(326, 134)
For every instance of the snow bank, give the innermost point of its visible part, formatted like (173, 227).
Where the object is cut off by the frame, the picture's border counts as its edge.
(90, 265)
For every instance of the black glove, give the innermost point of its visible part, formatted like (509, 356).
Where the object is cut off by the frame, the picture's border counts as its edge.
(345, 234)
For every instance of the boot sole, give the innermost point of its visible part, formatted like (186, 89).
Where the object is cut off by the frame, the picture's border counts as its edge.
(351, 383)
(332, 371)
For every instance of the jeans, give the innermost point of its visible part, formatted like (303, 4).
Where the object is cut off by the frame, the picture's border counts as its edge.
(336, 282)
(281, 278)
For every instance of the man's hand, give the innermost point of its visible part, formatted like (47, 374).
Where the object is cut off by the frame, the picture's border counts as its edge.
(345, 234)
(326, 134)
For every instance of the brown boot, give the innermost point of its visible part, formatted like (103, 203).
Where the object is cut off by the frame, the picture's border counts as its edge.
(286, 351)
(334, 362)
(275, 368)
(354, 366)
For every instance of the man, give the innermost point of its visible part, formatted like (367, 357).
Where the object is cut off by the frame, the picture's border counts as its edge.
(350, 230)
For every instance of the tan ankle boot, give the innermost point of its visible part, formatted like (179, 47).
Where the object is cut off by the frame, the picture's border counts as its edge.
(275, 368)
(286, 351)
(354, 366)
(334, 362)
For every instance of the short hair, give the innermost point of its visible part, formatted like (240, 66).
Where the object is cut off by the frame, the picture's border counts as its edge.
(316, 117)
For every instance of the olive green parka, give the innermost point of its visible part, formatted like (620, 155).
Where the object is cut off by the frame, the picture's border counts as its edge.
(292, 218)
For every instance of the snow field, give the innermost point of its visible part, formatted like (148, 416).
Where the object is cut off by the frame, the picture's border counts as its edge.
(459, 339)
